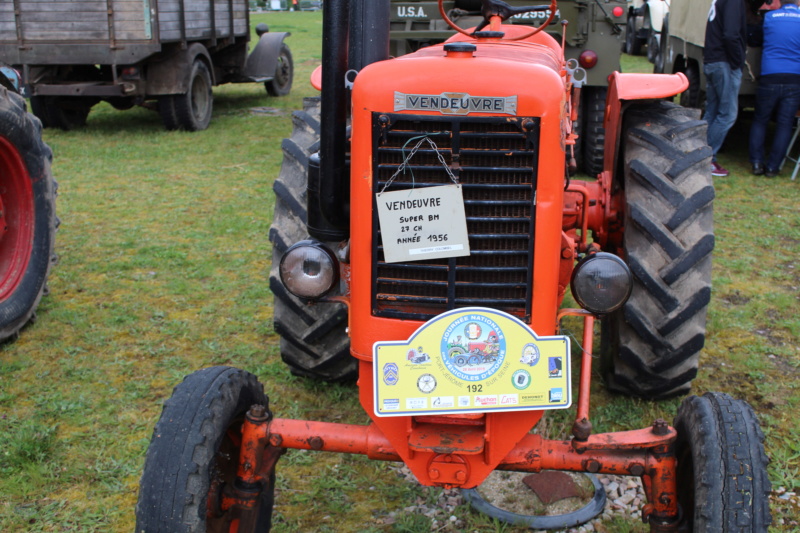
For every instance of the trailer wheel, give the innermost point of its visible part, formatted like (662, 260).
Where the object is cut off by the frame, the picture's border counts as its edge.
(27, 214)
(194, 452)
(592, 144)
(314, 341)
(190, 111)
(62, 112)
(722, 464)
(650, 347)
(281, 84)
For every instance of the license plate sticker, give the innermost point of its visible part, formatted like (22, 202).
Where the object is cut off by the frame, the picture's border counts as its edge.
(471, 360)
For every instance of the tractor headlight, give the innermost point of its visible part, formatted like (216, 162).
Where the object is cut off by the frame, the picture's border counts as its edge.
(309, 270)
(601, 283)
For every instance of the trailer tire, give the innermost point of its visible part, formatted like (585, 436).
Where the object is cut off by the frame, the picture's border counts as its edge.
(192, 110)
(592, 144)
(193, 454)
(62, 112)
(281, 84)
(650, 347)
(314, 341)
(721, 463)
(28, 196)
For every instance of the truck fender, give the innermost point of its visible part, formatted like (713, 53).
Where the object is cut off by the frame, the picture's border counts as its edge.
(170, 73)
(263, 60)
(623, 88)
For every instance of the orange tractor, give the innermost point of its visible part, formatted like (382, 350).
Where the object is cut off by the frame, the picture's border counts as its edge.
(427, 205)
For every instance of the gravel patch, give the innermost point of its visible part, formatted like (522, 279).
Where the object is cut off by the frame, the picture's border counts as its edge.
(624, 497)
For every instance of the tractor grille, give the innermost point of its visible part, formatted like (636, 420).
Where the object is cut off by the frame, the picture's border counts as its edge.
(495, 160)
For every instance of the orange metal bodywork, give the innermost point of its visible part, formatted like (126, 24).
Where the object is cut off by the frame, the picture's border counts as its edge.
(520, 65)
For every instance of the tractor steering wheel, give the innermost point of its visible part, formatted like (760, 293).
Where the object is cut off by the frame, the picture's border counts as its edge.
(496, 11)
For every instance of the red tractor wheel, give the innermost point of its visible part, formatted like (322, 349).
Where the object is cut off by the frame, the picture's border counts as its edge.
(193, 457)
(27, 214)
(722, 468)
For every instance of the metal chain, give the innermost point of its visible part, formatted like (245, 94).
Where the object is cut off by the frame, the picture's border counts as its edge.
(404, 165)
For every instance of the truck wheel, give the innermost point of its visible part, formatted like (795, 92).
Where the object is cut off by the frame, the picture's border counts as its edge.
(27, 214)
(633, 45)
(63, 112)
(281, 84)
(692, 96)
(653, 45)
(314, 341)
(661, 54)
(650, 347)
(194, 453)
(190, 111)
(594, 135)
(722, 465)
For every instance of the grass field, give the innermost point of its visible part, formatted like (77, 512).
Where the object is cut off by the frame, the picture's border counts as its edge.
(164, 259)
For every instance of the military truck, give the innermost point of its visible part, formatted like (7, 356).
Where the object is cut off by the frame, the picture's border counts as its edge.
(684, 30)
(595, 34)
(165, 55)
(645, 20)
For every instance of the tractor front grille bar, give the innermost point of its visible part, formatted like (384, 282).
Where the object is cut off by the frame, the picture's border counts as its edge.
(495, 161)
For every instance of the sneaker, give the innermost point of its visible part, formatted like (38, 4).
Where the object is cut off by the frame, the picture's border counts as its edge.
(758, 169)
(718, 170)
(771, 173)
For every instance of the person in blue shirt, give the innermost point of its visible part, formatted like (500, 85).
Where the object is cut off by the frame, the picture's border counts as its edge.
(778, 90)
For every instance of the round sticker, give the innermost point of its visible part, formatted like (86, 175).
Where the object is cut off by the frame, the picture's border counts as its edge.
(521, 379)
(473, 347)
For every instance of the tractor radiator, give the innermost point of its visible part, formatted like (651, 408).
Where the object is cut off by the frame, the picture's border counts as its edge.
(495, 160)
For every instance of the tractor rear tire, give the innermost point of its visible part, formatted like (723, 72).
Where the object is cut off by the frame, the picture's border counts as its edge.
(650, 347)
(192, 110)
(194, 454)
(28, 213)
(592, 131)
(314, 341)
(722, 468)
(281, 84)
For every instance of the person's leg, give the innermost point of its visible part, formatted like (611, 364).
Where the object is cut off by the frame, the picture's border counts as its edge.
(787, 105)
(714, 81)
(766, 100)
(728, 105)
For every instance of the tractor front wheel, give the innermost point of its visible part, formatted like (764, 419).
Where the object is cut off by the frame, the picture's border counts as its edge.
(314, 341)
(650, 347)
(194, 454)
(722, 468)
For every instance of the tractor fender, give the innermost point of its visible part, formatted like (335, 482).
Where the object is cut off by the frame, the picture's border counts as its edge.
(623, 88)
(263, 60)
(170, 73)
